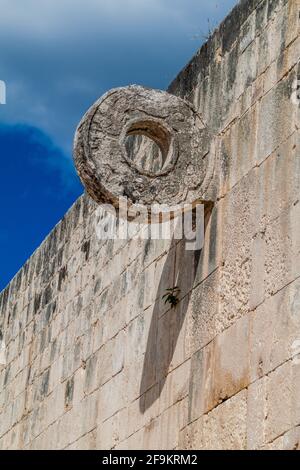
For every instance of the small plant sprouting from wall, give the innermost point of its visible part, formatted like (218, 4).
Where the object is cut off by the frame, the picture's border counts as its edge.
(171, 296)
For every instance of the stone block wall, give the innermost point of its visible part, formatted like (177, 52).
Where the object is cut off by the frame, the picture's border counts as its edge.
(93, 358)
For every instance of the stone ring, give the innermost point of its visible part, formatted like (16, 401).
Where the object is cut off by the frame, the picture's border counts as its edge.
(146, 145)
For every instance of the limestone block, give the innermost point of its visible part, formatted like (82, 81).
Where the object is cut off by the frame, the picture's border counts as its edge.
(279, 402)
(220, 370)
(12, 438)
(153, 249)
(248, 32)
(68, 367)
(288, 60)
(231, 360)
(151, 435)
(112, 397)
(191, 437)
(201, 317)
(257, 90)
(18, 408)
(210, 258)
(170, 422)
(225, 427)
(137, 334)
(282, 250)
(90, 408)
(73, 427)
(257, 292)
(234, 289)
(86, 345)
(275, 331)
(246, 68)
(87, 442)
(115, 319)
(139, 380)
(134, 442)
(270, 40)
(273, 127)
(282, 398)
(159, 276)
(289, 441)
(95, 358)
(6, 420)
(56, 405)
(178, 352)
(240, 219)
(97, 335)
(175, 387)
(277, 183)
(238, 149)
(291, 11)
(79, 383)
(112, 357)
(222, 429)
(186, 265)
(143, 411)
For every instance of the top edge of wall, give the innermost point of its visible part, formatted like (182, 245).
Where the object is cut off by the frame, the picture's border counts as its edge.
(222, 40)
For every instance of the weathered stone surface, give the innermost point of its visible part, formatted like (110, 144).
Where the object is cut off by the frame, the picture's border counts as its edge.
(93, 357)
(289, 441)
(220, 370)
(275, 331)
(280, 396)
(109, 171)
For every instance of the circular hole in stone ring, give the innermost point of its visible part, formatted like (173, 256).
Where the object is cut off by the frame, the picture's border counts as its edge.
(148, 145)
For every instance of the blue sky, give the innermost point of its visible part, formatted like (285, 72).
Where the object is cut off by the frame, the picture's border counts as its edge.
(57, 57)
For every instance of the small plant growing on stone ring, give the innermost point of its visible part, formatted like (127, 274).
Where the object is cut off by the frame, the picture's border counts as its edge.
(171, 296)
